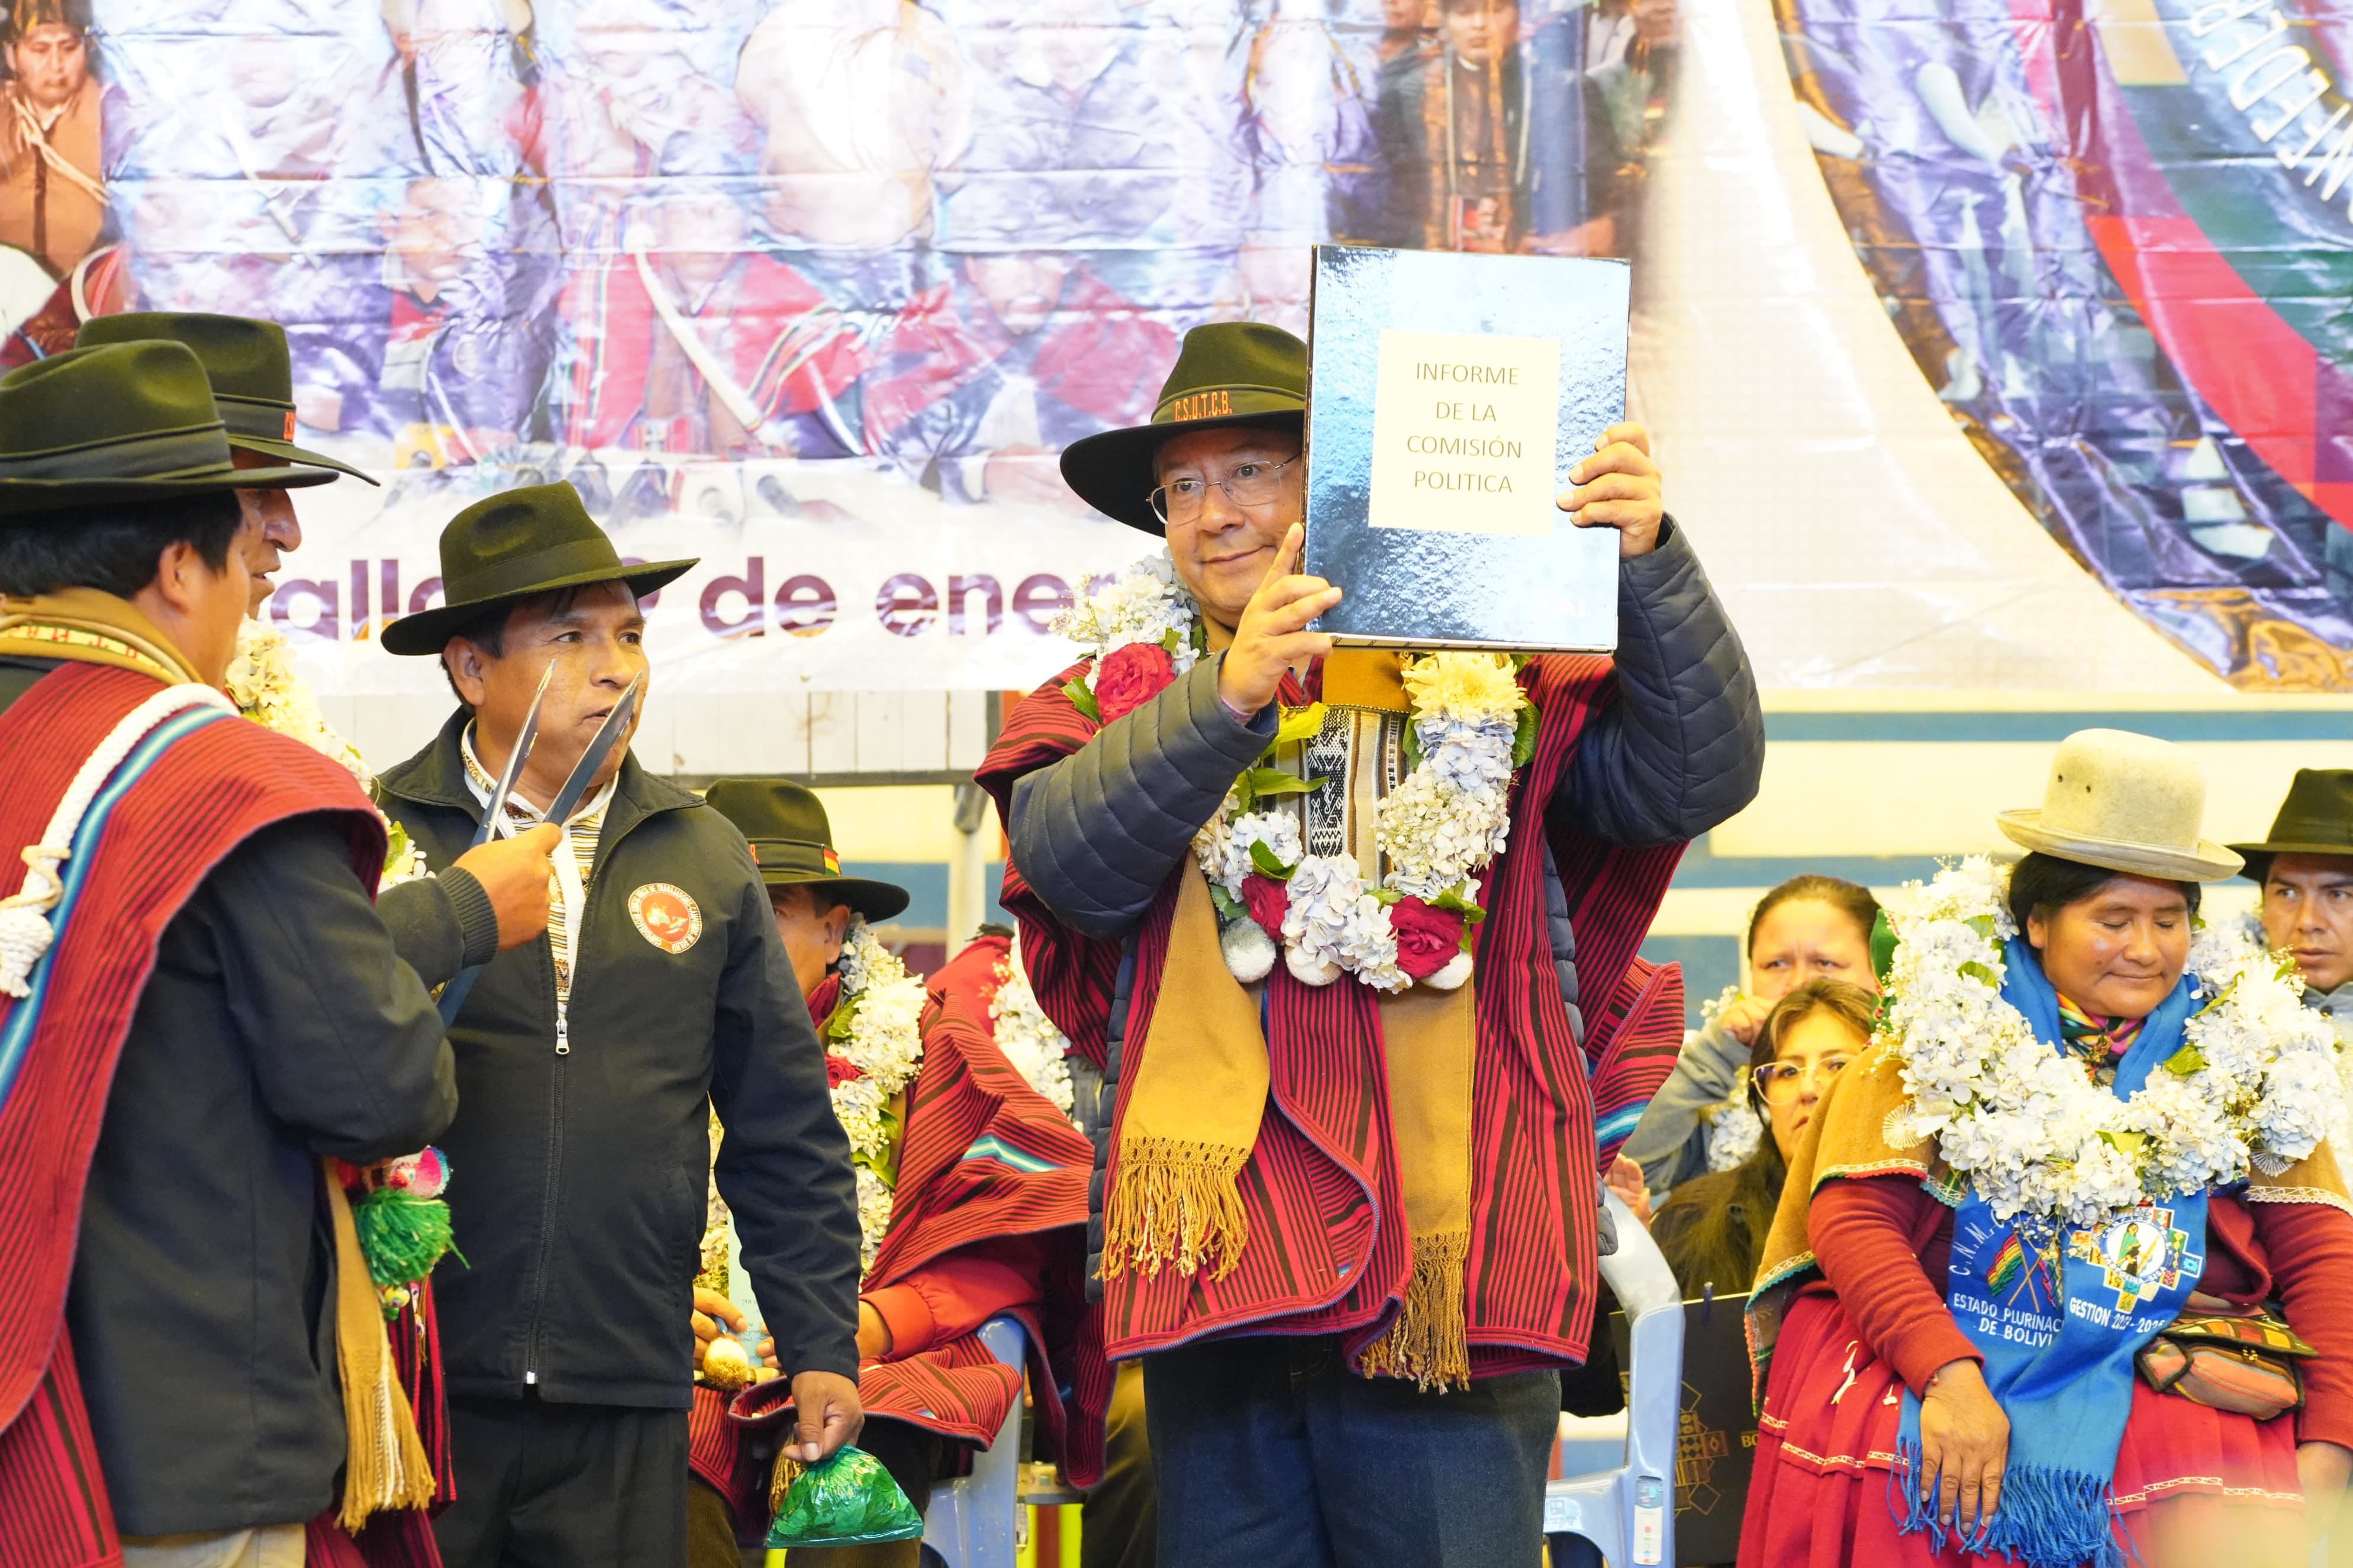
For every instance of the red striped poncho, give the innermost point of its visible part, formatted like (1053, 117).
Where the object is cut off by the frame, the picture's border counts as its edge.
(139, 856)
(984, 1155)
(1328, 1250)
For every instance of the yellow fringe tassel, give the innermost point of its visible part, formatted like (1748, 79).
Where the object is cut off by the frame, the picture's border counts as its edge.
(1174, 1201)
(385, 1466)
(1426, 1342)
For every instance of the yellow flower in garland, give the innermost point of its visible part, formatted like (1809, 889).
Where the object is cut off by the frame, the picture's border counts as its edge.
(1464, 686)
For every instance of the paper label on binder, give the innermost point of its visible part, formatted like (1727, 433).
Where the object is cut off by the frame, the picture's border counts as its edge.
(1464, 424)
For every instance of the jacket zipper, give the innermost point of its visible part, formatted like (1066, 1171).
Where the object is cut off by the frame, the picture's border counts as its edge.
(548, 1179)
(555, 1114)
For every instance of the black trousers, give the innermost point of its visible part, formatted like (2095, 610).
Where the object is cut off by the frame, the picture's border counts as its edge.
(1271, 1453)
(564, 1486)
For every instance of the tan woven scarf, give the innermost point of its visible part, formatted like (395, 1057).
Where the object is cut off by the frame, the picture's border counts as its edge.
(384, 1464)
(88, 626)
(1201, 1086)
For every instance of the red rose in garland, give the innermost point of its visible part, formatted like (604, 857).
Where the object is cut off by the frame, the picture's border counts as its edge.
(1426, 939)
(1130, 676)
(1266, 898)
(839, 1070)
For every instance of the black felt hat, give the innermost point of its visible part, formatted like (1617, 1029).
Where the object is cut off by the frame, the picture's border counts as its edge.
(126, 422)
(531, 540)
(248, 363)
(2316, 818)
(792, 842)
(1228, 373)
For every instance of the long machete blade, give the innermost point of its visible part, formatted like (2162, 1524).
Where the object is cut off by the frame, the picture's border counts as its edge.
(609, 735)
(515, 758)
(600, 746)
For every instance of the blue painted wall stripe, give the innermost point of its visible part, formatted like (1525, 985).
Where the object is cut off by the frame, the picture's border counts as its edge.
(2257, 724)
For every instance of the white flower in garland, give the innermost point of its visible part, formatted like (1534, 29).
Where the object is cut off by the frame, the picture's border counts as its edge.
(267, 688)
(2249, 926)
(1037, 1050)
(2255, 1086)
(1331, 925)
(1735, 1130)
(1470, 726)
(1146, 604)
(1732, 1127)
(876, 1027)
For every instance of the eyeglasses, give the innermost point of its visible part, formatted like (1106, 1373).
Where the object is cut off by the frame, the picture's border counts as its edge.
(1250, 485)
(1779, 1082)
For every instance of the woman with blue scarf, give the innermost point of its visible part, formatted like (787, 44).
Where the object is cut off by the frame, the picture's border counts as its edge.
(2063, 1273)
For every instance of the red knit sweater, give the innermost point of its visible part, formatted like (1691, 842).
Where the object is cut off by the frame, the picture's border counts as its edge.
(1885, 1244)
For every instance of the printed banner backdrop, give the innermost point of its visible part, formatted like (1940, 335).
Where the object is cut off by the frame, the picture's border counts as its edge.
(817, 289)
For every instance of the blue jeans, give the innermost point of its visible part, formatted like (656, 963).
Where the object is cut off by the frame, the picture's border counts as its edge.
(1272, 1453)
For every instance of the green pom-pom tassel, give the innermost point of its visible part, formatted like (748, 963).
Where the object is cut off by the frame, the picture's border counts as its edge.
(402, 1236)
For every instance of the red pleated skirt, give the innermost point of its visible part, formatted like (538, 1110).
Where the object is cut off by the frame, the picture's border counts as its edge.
(2195, 1488)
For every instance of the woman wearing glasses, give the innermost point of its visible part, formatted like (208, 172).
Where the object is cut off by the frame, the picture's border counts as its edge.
(1809, 928)
(1711, 1228)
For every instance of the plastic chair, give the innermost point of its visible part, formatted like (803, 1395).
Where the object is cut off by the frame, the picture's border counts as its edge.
(975, 1521)
(1627, 1514)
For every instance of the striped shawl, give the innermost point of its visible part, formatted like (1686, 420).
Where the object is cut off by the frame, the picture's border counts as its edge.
(984, 1155)
(1322, 1257)
(199, 786)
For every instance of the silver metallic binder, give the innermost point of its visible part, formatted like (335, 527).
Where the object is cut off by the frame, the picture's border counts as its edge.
(1449, 395)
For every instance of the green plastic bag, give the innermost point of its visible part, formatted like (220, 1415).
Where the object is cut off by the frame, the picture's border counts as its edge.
(849, 1500)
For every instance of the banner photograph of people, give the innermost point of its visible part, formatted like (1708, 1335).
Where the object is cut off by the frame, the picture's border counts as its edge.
(819, 289)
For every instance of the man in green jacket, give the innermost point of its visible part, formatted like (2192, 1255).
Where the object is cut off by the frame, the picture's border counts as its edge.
(588, 1062)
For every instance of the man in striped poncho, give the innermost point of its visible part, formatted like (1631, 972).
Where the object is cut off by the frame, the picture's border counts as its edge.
(982, 1182)
(1349, 1225)
(197, 1005)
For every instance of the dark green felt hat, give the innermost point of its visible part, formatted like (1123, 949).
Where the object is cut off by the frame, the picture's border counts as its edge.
(248, 363)
(792, 842)
(531, 540)
(2316, 818)
(1228, 373)
(126, 422)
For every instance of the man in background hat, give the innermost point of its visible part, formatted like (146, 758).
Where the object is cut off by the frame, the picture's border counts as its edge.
(490, 897)
(2306, 870)
(252, 377)
(986, 1188)
(205, 1009)
(590, 1061)
(1302, 1269)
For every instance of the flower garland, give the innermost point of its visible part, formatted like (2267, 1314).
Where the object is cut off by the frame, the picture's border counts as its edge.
(1470, 727)
(874, 1043)
(1144, 631)
(267, 688)
(1037, 1050)
(1732, 1127)
(2254, 1086)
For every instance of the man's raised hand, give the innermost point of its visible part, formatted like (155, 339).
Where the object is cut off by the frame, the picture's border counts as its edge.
(1617, 487)
(1272, 636)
